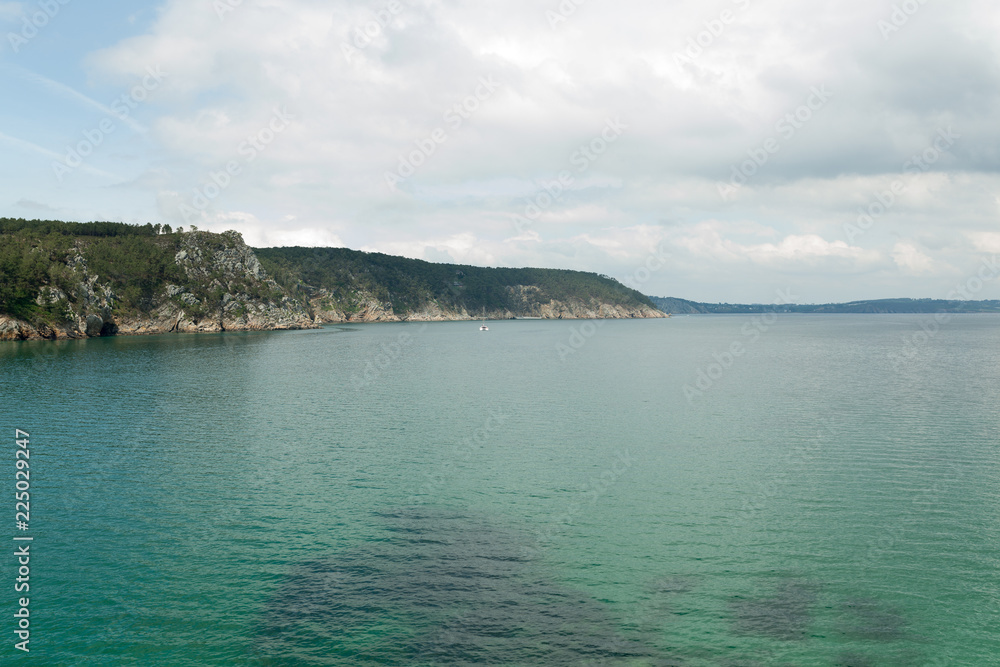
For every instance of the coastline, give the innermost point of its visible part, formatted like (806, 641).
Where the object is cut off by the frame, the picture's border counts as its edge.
(13, 330)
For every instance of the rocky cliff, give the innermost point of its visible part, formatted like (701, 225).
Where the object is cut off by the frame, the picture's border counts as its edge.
(370, 309)
(218, 285)
(343, 285)
(80, 280)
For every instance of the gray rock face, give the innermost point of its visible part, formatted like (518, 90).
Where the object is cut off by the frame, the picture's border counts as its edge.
(526, 297)
(50, 295)
(11, 329)
(236, 291)
(223, 287)
(95, 324)
(226, 289)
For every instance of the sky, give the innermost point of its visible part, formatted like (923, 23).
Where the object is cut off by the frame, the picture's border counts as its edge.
(732, 150)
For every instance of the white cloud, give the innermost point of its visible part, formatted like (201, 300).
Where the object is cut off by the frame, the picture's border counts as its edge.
(806, 248)
(911, 259)
(986, 241)
(463, 248)
(309, 237)
(322, 180)
(714, 240)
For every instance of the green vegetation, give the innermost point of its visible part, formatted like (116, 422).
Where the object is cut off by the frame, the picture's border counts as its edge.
(136, 267)
(47, 227)
(52, 272)
(410, 284)
(26, 265)
(40, 257)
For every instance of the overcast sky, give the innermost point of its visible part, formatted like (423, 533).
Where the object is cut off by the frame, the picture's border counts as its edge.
(732, 147)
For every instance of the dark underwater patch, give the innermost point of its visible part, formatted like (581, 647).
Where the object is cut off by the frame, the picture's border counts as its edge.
(441, 588)
(786, 615)
(869, 620)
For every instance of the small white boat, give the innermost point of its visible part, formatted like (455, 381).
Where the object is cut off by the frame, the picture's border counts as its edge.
(484, 327)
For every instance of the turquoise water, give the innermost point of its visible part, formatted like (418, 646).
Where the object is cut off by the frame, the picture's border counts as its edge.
(545, 493)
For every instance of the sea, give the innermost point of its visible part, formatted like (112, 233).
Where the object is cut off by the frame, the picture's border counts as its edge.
(774, 489)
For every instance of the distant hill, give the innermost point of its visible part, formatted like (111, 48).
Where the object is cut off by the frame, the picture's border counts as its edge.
(879, 306)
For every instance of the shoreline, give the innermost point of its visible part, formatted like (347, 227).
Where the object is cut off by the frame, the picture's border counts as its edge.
(13, 330)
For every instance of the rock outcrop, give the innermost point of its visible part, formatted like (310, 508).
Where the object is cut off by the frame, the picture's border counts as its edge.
(529, 304)
(200, 282)
(225, 289)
